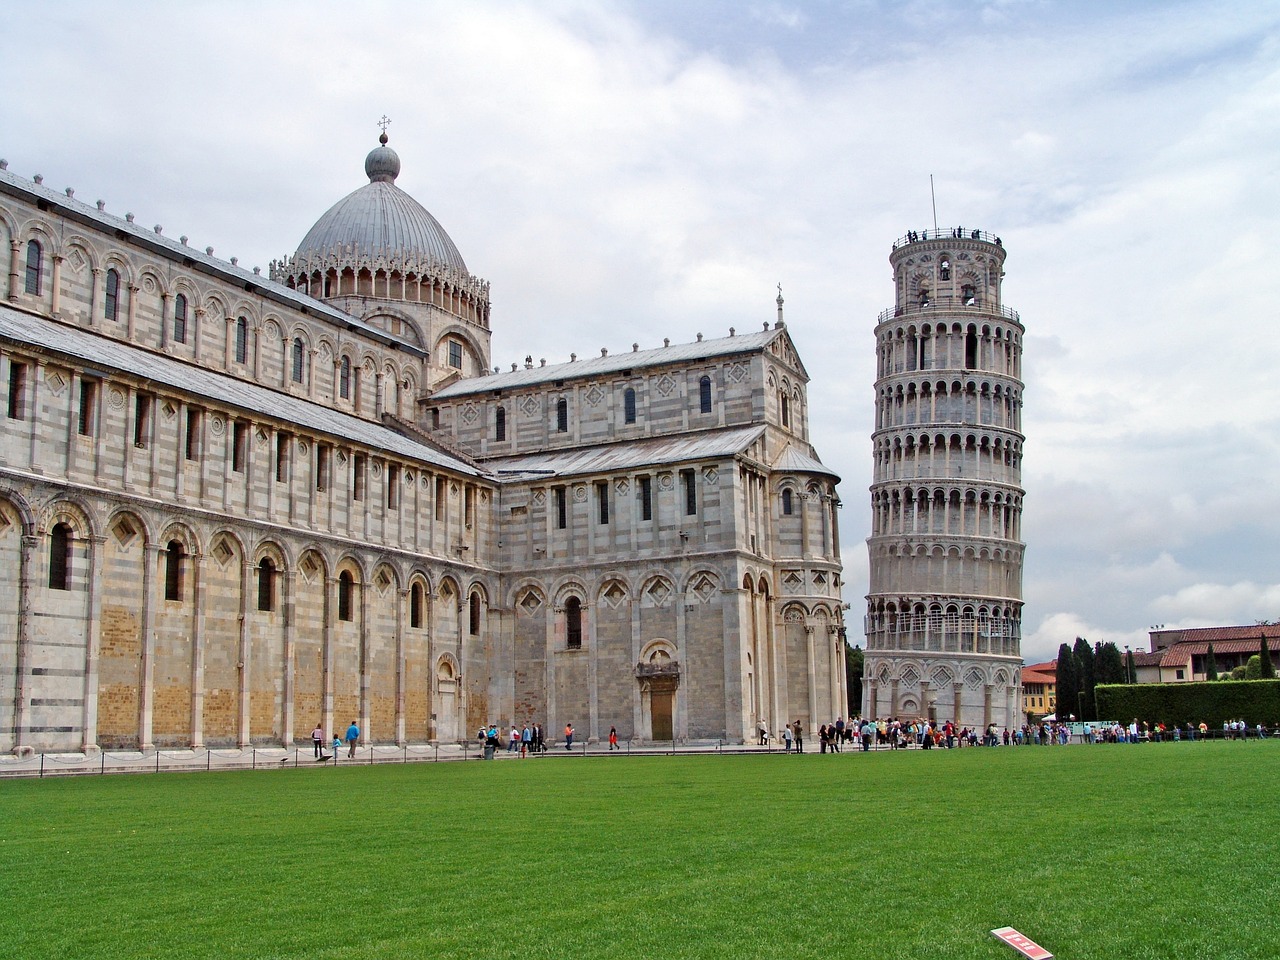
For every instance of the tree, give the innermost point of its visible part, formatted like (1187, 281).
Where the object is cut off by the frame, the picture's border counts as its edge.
(1130, 671)
(1068, 684)
(853, 664)
(1210, 665)
(1264, 657)
(1084, 664)
(1108, 665)
(1253, 668)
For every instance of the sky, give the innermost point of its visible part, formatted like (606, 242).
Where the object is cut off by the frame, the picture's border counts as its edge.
(624, 172)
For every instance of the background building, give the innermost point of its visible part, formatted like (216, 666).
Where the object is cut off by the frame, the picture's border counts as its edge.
(944, 609)
(236, 505)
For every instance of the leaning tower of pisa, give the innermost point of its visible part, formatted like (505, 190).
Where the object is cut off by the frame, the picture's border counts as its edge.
(944, 610)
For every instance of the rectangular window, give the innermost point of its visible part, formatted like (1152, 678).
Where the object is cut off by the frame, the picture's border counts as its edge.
(17, 390)
(141, 419)
(357, 477)
(469, 507)
(441, 492)
(602, 501)
(239, 445)
(393, 486)
(690, 492)
(88, 406)
(646, 498)
(455, 354)
(282, 457)
(192, 448)
(324, 453)
(562, 508)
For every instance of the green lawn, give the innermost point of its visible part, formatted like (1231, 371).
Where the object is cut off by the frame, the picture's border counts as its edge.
(1160, 850)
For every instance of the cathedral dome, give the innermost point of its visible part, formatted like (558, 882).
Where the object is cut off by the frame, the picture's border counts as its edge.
(380, 220)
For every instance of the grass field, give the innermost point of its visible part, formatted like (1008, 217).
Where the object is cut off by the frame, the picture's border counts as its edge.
(1149, 851)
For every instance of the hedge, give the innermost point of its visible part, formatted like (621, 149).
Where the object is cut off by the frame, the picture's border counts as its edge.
(1213, 702)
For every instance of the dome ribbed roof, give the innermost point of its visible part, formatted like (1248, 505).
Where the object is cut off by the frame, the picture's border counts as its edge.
(381, 219)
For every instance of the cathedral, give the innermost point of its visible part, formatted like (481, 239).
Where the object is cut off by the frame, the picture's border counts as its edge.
(235, 505)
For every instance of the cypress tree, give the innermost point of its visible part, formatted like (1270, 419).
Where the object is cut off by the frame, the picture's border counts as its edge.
(1084, 664)
(1068, 684)
(1210, 665)
(1130, 670)
(1108, 665)
(1268, 670)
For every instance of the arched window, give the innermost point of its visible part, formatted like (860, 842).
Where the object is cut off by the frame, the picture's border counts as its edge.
(500, 423)
(173, 571)
(34, 267)
(344, 379)
(415, 606)
(242, 340)
(629, 405)
(59, 557)
(266, 584)
(180, 318)
(573, 623)
(562, 415)
(785, 406)
(944, 268)
(971, 349)
(966, 294)
(346, 587)
(298, 356)
(473, 615)
(787, 506)
(704, 394)
(111, 305)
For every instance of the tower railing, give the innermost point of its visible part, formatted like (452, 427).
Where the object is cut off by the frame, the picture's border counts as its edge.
(949, 304)
(946, 233)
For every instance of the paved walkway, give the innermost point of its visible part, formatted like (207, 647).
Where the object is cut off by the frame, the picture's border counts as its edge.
(178, 759)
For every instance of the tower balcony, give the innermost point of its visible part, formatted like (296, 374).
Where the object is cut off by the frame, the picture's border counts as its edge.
(949, 306)
(943, 633)
(946, 233)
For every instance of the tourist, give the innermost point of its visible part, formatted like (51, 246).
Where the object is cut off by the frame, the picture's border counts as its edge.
(786, 738)
(762, 733)
(317, 740)
(568, 736)
(353, 735)
(799, 733)
(513, 743)
(613, 739)
(526, 739)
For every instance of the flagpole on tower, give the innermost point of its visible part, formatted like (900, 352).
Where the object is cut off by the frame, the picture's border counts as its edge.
(934, 200)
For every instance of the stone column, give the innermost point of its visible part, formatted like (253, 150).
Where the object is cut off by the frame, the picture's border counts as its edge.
(22, 693)
(151, 554)
(55, 303)
(987, 690)
(242, 720)
(131, 312)
(31, 414)
(957, 705)
(402, 597)
(197, 341)
(330, 606)
(93, 644)
(593, 668)
(288, 608)
(811, 658)
(365, 706)
(197, 653)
